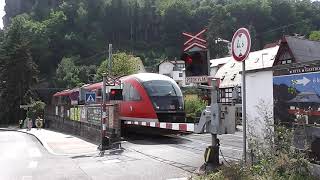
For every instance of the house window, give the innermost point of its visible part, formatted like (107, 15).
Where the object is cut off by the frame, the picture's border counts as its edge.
(180, 74)
(225, 95)
(180, 66)
(285, 58)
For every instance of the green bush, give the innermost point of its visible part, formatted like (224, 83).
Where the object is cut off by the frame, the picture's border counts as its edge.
(36, 110)
(193, 108)
(279, 161)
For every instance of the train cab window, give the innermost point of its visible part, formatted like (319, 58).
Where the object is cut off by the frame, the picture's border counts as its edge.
(130, 93)
(161, 88)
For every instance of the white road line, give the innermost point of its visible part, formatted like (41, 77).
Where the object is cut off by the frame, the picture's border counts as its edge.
(33, 165)
(231, 148)
(111, 161)
(34, 152)
(26, 178)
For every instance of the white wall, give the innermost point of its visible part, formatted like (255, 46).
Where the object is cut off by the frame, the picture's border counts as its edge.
(259, 92)
(175, 75)
(165, 68)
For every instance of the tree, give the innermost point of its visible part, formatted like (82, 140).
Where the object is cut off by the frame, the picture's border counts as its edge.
(67, 75)
(18, 72)
(315, 36)
(122, 64)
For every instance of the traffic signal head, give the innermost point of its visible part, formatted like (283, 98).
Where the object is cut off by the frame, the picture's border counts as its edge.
(196, 63)
(115, 95)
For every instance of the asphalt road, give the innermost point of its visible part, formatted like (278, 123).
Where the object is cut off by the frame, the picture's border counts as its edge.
(22, 157)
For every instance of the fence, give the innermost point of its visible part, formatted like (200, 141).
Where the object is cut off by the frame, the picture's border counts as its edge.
(83, 120)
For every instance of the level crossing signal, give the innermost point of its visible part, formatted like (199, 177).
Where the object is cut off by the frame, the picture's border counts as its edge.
(196, 63)
(195, 54)
(116, 95)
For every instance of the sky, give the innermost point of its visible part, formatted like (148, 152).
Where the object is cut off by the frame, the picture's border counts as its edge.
(2, 13)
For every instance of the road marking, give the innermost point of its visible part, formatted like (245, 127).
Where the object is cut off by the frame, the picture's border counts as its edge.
(34, 152)
(230, 148)
(26, 177)
(111, 161)
(184, 178)
(33, 165)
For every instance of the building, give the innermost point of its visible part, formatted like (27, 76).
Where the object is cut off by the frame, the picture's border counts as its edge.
(230, 73)
(297, 50)
(263, 69)
(216, 64)
(173, 69)
(141, 68)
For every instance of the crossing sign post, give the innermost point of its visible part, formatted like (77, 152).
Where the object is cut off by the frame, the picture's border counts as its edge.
(90, 97)
(196, 57)
(241, 45)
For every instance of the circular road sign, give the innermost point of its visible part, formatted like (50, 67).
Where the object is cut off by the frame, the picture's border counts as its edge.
(241, 44)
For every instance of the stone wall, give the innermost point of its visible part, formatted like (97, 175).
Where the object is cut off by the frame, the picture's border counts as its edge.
(85, 130)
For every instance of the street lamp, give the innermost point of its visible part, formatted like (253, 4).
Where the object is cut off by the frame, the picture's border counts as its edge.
(218, 40)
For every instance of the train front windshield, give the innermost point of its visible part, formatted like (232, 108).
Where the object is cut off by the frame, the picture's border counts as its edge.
(165, 95)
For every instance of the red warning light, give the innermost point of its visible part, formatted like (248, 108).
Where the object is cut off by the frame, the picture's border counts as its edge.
(113, 92)
(188, 60)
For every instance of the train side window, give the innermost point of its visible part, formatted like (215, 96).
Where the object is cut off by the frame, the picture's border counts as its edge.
(134, 94)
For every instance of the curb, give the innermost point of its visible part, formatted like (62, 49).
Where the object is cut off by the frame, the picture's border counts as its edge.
(50, 150)
(8, 129)
(45, 145)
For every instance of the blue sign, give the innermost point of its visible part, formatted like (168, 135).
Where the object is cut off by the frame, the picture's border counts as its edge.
(307, 82)
(90, 97)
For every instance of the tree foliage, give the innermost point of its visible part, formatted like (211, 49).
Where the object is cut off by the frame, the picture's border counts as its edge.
(315, 36)
(68, 73)
(151, 29)
(18, 71)
(37, 42)
(122, 64)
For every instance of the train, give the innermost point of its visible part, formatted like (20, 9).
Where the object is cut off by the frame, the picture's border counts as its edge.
(147, 97)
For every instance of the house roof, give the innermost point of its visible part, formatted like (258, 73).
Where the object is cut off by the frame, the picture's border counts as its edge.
(66, 92)
(229, 73)
(220, 61)
(303, 50)
(177, 62)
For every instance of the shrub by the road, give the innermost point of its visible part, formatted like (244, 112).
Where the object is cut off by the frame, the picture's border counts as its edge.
(193, 108)
(275, 161)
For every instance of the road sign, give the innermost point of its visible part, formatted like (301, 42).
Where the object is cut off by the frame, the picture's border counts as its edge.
(26, 106)
(74, 102)
(304, 82)
(241, 44)
(197, 79)
(90, 97)
(74, 96)
(240, 47)
(195, 41)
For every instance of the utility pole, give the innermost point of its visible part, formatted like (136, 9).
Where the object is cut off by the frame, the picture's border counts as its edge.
(244, 112)
(105, 141)
(110, 59)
